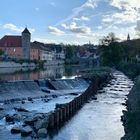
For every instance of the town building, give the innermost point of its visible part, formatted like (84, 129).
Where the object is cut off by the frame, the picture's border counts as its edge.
(20, 47)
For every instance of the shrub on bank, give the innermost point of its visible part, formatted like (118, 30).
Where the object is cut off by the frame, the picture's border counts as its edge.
(129, 68)
(132, 115)
(97, 72)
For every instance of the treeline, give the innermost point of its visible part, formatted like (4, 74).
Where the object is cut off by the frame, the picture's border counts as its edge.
(121, 55)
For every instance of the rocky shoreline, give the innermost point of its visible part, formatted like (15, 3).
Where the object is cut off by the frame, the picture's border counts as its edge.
(26, 122)
(131, 117)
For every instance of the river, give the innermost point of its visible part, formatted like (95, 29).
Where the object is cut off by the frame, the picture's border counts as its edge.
(52, 72)
(100, 119)
(97, 120)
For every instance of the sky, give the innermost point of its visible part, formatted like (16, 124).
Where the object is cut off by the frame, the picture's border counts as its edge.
(70, 21)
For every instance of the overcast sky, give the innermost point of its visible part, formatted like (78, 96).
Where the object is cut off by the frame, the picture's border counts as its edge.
(70, 21)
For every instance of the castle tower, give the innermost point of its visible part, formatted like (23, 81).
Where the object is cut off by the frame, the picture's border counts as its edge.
(128, 37)
(26, 37)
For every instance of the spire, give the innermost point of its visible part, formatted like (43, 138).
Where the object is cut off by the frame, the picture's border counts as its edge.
(128, 37)
(26, 31)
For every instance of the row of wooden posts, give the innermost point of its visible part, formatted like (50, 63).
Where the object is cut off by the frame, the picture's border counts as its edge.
(63, 112)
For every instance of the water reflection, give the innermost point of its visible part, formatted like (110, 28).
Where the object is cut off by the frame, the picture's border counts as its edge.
(52, 72)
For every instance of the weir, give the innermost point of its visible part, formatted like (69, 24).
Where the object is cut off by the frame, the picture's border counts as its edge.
(17, 90)
(69, 84)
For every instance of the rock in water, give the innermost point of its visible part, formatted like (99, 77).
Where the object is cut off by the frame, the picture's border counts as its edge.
(21, 109)
(42, 133)
(15, 130)
(26, 131)
(41, 123)
(9, 118)
(30, 99)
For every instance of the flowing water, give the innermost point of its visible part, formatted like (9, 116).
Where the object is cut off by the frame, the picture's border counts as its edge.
(97, 120)
(100, 119)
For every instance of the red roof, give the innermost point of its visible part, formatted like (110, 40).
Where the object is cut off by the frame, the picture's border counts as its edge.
(11, 41)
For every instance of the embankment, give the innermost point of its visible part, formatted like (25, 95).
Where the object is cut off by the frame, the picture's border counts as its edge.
(131, 117)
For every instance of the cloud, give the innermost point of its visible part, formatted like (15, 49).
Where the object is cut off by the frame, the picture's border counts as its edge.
(37, 9)
(74, 28)
(53, 4)
(137, 28)
(55, 31)
(43, 40)
(84, 18)
(125, 15)
(89, 4)
(13, 27)
(100, 27)
(123, 4)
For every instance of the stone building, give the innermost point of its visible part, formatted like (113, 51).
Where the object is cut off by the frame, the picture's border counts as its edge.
(21, 47)
(18, 47)
(26, 38)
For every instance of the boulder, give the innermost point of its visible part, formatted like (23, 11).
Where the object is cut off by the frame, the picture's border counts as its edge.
(26, 131)
(20, 109)
(9, 118)
(23, 102)
(1, 109)
(15, 130)
(30, 121)
(42, 133)
(41, 123)
(54, 96)
(30, 99)
(94, 98)
(17, 117)
(75, 94)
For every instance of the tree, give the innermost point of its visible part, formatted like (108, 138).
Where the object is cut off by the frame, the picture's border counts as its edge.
(107, 40)
(110, 50)
(70, 51)
(1, 52)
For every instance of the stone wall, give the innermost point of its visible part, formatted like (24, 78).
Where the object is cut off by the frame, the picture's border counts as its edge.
(13, 65)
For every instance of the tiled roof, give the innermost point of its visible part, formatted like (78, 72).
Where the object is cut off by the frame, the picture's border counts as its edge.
(11, 41)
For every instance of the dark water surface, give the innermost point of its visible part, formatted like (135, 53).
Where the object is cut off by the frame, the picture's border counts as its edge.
(97, 120)
(53, 72)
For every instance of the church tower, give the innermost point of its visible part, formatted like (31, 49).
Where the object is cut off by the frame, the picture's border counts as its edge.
(128, 37)
(26, 37)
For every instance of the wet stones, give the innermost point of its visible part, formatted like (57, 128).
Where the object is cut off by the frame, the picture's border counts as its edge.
(15, 130)
(54, 96)
(30, 121)
(20, 109)
(42, 133)
(9, 118)
(23, 102)
(94, 98)
(26, 131)
(75, 94)
(12, 118)
(30, 99)
(1, 109)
